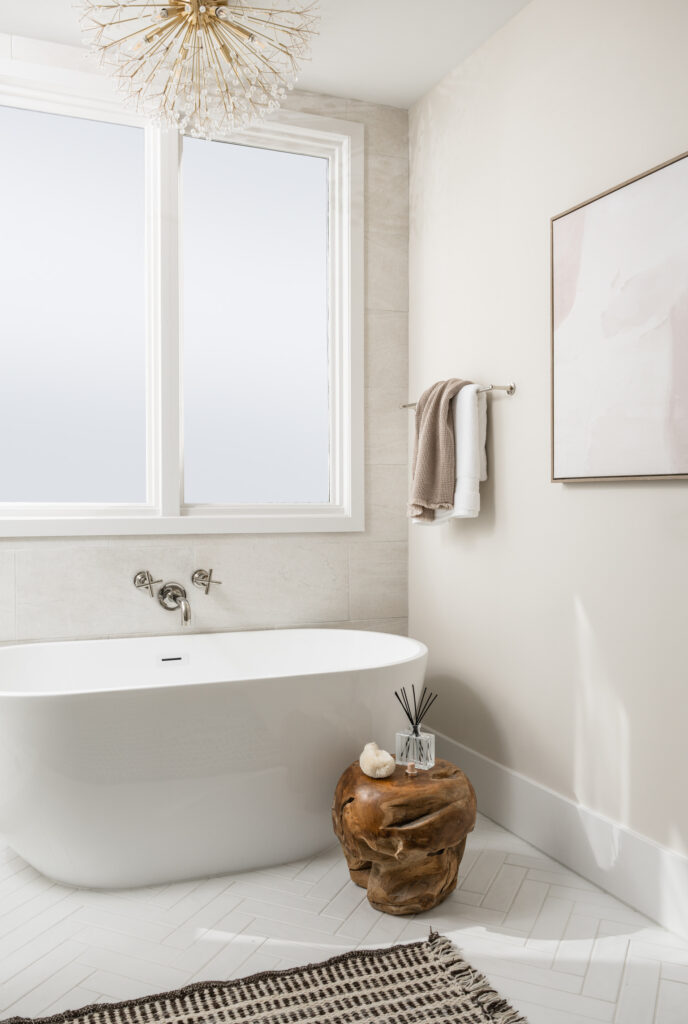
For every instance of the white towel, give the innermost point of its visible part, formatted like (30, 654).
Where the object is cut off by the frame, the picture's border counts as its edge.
(469, 409)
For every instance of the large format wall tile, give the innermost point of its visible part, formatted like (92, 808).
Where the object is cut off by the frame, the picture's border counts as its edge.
(387, 270)
(387, 182)
(398, 626)
(314, 103)
(386, 428)
(266, 581)
(386, 349)
(84, 588)
(386, 494)
(378, 581)
(7, 595)
(386, 128)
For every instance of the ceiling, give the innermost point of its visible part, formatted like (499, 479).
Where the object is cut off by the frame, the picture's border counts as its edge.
(384, 51)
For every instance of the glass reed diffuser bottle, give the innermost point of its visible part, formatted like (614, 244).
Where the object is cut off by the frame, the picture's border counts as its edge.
(414, 746)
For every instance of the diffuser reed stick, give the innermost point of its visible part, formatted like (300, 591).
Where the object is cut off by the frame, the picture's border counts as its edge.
(420, 708)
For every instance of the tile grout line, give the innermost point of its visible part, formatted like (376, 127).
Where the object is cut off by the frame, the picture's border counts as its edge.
(561, 939)
(42, 980)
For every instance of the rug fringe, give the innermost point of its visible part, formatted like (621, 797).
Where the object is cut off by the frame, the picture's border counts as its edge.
(473, 982)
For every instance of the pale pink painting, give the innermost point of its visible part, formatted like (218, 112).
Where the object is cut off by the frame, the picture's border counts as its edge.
(620, 331)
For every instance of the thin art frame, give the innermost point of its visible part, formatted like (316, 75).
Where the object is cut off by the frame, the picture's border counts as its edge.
(563, 477)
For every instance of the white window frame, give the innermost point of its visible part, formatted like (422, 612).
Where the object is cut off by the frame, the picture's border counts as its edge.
(44, 88)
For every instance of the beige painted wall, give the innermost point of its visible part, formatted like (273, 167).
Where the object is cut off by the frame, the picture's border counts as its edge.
(557, 621)
(52, 589)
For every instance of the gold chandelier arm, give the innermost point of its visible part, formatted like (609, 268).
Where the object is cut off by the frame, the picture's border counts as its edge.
(253, 53)
(217, 70)
(238, 70)
(159, 45)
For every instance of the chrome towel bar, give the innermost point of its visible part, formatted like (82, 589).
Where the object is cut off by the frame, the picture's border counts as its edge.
(509, 388)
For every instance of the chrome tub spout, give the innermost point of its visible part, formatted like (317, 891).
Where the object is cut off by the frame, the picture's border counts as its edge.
(173, 595)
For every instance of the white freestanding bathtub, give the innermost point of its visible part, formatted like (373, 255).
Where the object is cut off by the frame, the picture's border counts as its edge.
(136, 762)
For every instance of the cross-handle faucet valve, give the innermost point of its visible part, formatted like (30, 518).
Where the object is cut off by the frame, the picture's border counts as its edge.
(144, 581)
(203, 579)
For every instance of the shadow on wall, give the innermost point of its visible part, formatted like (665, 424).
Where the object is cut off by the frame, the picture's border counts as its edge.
(602, 752)
(603, 778)
(459, 701)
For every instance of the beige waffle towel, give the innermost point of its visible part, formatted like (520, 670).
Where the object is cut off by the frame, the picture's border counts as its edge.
(434, 456)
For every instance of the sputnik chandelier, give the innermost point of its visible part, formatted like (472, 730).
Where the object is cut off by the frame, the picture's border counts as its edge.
(205, 68)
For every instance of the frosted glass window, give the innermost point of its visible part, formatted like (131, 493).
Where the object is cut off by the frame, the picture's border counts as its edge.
(255, 325)
(72, 310)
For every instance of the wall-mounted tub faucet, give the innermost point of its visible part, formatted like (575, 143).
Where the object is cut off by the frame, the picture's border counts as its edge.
(173, 595)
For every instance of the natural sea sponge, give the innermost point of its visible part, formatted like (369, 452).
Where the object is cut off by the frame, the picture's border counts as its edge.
(376, 763)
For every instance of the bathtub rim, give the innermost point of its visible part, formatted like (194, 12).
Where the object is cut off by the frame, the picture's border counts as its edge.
(420, 652)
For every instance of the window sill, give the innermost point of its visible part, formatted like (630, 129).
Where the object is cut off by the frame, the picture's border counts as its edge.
(333, 521)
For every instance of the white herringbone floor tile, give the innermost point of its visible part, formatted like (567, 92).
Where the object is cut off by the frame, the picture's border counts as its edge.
(672, 1002)
(639, 991)
(560, 949)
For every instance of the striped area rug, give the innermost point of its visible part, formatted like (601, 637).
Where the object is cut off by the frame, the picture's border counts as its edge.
(420, 983)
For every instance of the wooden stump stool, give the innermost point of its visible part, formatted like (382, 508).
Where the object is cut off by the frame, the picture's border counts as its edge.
(404, 836)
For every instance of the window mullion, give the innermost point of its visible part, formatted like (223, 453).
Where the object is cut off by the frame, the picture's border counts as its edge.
(165, 300)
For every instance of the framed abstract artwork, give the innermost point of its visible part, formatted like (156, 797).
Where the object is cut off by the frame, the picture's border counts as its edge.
(620, 331)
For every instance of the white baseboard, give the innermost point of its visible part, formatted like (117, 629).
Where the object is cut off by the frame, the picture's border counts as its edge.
(648, 877)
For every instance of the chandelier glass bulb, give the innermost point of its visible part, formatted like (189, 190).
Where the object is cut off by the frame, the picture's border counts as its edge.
(206, 68)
